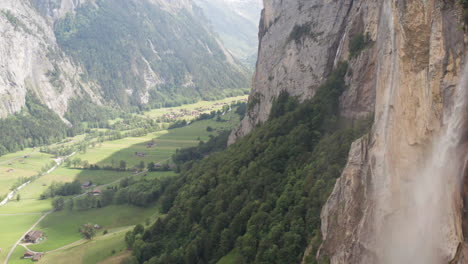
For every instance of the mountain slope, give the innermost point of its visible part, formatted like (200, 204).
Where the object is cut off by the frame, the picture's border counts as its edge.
(118, 53)
(236, 21)
(31, 61)
(272, 195)
(140, 52)
(406, 61)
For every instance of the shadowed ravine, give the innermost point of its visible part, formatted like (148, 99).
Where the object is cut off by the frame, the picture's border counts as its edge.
(428, 203)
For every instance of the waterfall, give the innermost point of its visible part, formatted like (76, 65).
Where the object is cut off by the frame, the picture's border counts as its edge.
(420, 229)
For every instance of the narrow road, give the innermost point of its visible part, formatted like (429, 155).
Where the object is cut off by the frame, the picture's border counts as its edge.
(58, 162)
(21, 238)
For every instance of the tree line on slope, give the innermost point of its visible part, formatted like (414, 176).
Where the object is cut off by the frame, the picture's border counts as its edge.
(260, 198)
(35, 125)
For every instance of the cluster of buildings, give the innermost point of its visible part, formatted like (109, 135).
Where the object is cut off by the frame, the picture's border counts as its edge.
(32, 255)
(34, 236)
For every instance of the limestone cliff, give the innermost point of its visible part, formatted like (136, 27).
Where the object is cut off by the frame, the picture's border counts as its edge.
(406, 62)
(299, 42)
(31, 60)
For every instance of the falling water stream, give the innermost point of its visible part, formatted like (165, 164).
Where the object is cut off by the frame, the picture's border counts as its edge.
(422, 228)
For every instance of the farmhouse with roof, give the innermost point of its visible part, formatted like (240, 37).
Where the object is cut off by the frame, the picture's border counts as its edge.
(28, 255)
(33, 256)
(33, 236)
(87, 184)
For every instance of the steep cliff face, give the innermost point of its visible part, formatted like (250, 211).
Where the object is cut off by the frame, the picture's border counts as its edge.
(419, 58)
(406, 61)
(31, 60)
(299, 41)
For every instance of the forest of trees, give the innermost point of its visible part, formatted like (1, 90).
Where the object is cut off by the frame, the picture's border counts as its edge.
(261, 197)
(34, 126)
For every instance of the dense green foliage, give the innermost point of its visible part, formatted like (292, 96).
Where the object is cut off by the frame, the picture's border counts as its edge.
(299, 32)
(260, 197)
(62, 189)
(88, 231)
(218, 143)
(82, 110)
(119, 41)
(35, 125)
(141, 193)
(358, 43)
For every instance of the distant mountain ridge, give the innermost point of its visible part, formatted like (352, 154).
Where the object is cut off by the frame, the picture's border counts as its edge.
(236, 21)
(117, 53)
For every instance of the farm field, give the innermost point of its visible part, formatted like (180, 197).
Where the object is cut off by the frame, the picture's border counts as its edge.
(93, 251)
(15, 166)
(134, 150)
(201, 107)
(61, 228)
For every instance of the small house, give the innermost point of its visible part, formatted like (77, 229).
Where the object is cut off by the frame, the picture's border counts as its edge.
(28, 255)
(96, 192)
(96, 226)
(33, 236)
(150, 144)
(87, 184)
(37, 256)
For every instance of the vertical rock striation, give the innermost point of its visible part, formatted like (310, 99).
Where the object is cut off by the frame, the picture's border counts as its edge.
(406, 61)
(31, 60)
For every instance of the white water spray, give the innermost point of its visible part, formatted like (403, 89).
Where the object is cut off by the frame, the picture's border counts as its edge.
(421, 230)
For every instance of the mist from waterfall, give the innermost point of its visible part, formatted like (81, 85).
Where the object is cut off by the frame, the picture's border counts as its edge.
(419, 230)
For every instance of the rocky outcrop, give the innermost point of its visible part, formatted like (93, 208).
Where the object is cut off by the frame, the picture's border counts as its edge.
(406, 61)
(30, 60)
(56, 9)
(419, 53)
(300, 42)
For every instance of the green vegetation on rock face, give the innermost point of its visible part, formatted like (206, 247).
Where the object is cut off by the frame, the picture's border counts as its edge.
(35, 125)
(261, 197)
(358, 43)
(129, 46)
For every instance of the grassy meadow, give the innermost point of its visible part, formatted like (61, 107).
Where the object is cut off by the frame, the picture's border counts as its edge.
(203, 107)
(15, 166)
(61, 228)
